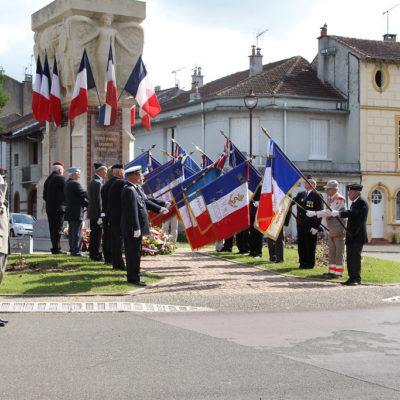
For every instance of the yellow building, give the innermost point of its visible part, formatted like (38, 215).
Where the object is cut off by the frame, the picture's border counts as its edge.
(367, 73)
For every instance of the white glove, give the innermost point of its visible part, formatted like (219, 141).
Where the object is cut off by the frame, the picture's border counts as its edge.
(335, 213)
(256, 203)
(167, 204)
(314, 231)
(102, 215)
(164, 210)
(311, 213)
(100, 221)
(136, 234)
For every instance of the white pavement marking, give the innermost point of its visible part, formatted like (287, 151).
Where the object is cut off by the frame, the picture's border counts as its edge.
(59, 307)
(395, 299)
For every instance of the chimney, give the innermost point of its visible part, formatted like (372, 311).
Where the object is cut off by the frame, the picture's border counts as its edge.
(324, 30)
(389, 37)
(194, 94)
(197, 78)
(256, 66)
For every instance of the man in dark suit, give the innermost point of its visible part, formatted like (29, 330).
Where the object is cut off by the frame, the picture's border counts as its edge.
(53, 195)
(135, 221)
(113, 213)
(76, 199)
(117, 173)
(307, 228)
(255, 236)
(94, 210)
(356, 234)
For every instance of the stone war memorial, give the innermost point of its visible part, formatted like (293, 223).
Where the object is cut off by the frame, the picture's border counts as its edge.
(64, 29)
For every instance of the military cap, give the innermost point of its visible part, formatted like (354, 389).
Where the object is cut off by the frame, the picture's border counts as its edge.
(58, 163)
(99, 166)
(136, 169)
(74, 170)
(355, 186)
(332, 184)
(117, 166)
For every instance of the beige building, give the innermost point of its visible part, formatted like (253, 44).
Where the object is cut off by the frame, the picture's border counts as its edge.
(367, 72)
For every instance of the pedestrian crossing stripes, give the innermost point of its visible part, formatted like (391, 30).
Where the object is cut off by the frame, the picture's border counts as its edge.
(92, 307)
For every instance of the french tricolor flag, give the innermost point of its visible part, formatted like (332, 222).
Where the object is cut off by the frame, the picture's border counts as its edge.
(36, 88)
(43, 113)
(185, 196)
(280, 179)
(227, 200)
(84, 82)
(55, 98)
(108, 111)
(139, 86)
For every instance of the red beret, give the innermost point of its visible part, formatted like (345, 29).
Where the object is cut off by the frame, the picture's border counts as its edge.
(58, 163)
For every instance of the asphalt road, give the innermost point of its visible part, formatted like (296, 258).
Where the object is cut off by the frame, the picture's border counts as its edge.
(305, 353)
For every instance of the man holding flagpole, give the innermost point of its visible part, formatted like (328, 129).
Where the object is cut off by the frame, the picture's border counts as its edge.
(307, 228)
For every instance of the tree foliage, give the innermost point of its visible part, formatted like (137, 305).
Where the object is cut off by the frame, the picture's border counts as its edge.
(3, 95)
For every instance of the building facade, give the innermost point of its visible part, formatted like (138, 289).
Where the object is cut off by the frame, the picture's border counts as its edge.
(367, 73)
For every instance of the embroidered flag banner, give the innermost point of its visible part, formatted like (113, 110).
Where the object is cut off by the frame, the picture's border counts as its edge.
(84, 81)
(280, 179)
(36, 88)
(146, 161)
(185, 196)
(158, 170)
(108, 111)
(206, 161)
(43, 108)
(55, 97)
(236, 157)
(227, 200)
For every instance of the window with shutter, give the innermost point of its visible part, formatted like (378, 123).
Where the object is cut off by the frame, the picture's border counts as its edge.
(318, 139)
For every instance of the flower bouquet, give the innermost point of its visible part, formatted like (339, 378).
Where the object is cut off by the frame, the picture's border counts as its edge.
(157, 242)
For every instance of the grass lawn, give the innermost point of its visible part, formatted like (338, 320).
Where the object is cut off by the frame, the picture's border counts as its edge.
(373, 270)
(61, 274)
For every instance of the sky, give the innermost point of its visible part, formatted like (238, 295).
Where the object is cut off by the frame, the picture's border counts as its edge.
(216, 35)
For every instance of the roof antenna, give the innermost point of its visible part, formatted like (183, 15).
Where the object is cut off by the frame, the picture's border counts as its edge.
(387, 16)
(260, 34)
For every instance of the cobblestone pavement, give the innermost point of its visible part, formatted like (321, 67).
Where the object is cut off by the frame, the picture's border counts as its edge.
(186, 272)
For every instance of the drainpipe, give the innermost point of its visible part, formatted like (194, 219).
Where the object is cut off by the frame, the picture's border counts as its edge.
(284, 126)
(203, 127)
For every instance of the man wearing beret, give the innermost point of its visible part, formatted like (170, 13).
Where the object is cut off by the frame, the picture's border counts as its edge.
(76, 199)
(307, 228)
(135, 221)
(53, 195)
(95, 210)
(356, 234)
(337, 228)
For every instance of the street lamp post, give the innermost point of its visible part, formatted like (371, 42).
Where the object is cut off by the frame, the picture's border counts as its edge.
(251, 101)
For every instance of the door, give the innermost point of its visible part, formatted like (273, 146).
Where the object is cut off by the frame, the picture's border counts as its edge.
(377, 214)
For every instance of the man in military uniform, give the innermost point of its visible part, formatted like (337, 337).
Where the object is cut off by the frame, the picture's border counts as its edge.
(117, 173)
(307, 228)
(76, 199)
(255, 236)
(135, 221)
(94, 211)
(337, 228)
(113, 213)
(356, 234)
(53, 195)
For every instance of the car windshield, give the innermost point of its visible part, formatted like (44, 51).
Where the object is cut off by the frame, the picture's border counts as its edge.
(23, 219)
